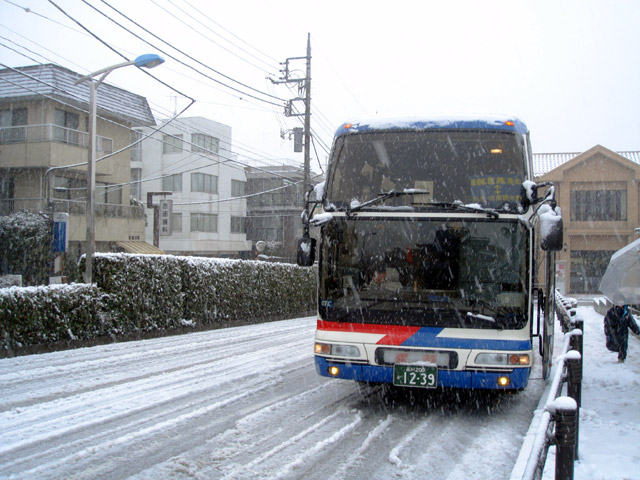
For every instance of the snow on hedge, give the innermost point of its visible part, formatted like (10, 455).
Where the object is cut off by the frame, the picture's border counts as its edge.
(136, 293)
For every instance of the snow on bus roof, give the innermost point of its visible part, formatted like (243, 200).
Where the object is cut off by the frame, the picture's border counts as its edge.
(473, 122)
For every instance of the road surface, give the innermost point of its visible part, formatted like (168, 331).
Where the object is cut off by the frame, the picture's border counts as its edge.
(241, 403)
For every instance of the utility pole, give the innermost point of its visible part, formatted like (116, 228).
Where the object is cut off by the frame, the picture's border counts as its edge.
(304, 86)
(307, 121)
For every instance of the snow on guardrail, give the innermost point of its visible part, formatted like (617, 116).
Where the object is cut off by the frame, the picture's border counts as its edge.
(558, 425)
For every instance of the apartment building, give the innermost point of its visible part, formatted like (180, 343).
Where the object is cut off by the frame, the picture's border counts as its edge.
(189, 162)
(44, 143)
(599, 194)
(275, 202)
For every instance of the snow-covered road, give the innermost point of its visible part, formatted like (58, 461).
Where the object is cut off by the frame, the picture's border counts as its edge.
(241, 403)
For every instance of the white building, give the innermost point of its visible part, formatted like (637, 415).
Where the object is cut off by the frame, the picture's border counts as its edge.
(192, 159)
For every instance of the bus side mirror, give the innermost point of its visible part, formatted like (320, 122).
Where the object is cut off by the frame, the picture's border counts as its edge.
(551, 236)
(306, 251)
(528, 195)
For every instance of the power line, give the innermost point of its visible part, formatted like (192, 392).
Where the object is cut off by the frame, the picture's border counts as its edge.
(117, 52)
(183, 53)
(197, 20)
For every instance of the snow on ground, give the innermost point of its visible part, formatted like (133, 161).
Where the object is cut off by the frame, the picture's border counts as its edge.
(245, 403)
(609, 445)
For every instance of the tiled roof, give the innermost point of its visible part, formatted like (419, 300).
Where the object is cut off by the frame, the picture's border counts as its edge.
(28, 83)
(545, 162)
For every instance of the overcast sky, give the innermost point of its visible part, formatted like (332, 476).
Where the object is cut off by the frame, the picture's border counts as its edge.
(569, 69)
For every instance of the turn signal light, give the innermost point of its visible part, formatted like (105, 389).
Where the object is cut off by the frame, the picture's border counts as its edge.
(518, 359)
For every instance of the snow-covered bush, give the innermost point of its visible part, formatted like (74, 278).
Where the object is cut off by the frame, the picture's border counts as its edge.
(36, 315)
(143, 293)
(219, 290)
(25, 243)
(146, 289)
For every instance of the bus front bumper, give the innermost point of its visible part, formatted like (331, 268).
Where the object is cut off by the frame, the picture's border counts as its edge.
(518, 377)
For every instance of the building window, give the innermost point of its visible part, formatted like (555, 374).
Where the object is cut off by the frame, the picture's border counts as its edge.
(108, 193)
(10, 125)
(104, 145)
(598, 205)
(136, 186)
(136, 148)
(176, 222)
(66, 129)
(237, 188)
(587, 269)
(202, 143)
(172, 183)
(7, 188)
(238, 224)
(268, 228)
(204, 222)
(201, 182)
(172, 143)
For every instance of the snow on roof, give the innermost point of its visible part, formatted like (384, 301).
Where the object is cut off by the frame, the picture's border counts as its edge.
(545, 162)
(54, 81)
(473, 122)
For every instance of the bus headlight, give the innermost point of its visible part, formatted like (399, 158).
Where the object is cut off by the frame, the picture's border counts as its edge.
(337, 350)
(503, 359)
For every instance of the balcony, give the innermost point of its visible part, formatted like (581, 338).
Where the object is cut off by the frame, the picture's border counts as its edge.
(52, 133)
(72, 207)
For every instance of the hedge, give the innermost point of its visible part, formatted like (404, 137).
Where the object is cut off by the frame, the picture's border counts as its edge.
(25, 241)
(154, 293)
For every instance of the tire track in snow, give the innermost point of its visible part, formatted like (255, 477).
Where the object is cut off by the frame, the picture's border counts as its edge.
(53, 380)
(123, 440)
(125, 399)
(357, 456)
(203, 414)
(249, 468)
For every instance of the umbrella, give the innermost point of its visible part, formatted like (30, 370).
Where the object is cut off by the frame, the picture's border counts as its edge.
(621, 280)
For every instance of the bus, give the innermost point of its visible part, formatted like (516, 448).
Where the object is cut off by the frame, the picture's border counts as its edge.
(430, 240)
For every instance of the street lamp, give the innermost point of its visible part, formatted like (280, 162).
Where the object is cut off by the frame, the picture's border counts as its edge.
(149, 60)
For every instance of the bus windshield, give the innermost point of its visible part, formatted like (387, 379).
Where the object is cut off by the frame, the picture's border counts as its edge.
(485, 168)
(465, 273)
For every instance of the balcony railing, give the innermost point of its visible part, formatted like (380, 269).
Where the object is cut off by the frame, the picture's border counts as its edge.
(52, 133)
(72, 207)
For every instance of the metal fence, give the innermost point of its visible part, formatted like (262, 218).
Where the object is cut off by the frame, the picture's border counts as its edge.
(559, 424)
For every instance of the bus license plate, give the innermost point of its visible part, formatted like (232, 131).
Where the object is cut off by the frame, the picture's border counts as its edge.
(415, 376)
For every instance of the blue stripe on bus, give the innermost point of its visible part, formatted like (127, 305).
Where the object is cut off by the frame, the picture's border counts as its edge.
(446, 378)
(427, 337)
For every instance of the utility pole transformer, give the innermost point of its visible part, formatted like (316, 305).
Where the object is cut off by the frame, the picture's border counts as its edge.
(304, 84)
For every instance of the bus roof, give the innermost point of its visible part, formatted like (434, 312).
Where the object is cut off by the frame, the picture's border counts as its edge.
(496, 122)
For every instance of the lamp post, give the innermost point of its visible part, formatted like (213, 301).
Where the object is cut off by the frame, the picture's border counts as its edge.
(148, 61)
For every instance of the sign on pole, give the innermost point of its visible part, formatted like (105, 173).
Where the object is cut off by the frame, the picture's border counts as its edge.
(166, 210)
(60, 239)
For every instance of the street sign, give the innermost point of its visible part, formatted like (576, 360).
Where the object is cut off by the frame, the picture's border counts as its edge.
(60, 239)
(166, 210)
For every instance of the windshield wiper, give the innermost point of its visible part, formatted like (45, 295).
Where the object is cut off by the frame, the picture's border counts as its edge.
(385, 196)
(498, 321)
(466, 208)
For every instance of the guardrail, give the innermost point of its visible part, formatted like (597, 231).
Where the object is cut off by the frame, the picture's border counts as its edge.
(559, 423)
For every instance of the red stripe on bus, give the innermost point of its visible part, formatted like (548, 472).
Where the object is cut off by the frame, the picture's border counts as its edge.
(393, 334)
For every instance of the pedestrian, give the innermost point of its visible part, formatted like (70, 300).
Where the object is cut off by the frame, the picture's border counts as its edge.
(617, 323)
